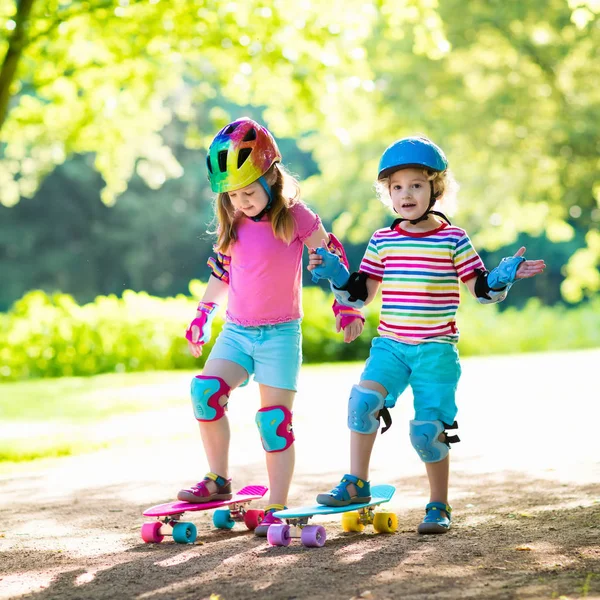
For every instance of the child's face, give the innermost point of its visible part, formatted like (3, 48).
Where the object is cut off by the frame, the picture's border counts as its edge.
(410, 192)
(250, 200)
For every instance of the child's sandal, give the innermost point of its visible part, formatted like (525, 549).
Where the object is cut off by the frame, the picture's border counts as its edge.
(435, 521)
(340, 496)
(200, 493)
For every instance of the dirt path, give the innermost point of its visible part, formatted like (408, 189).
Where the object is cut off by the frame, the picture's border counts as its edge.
(524, 490)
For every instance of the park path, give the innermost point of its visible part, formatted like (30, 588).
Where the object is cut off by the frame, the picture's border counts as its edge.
(524, 489)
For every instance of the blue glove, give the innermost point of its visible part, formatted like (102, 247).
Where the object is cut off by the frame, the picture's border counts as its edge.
(505, 274)
(331, 268)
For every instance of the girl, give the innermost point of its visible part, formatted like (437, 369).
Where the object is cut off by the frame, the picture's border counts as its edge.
(418, 261)
(262, 228)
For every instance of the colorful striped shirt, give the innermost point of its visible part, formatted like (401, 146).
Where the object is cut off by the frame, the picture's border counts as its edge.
(419, 274)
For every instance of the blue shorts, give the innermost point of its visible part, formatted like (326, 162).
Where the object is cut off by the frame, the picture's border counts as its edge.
(432, 370)
(272, 353)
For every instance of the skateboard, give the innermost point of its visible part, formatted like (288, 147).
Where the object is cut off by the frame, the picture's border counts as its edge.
(169, 516)
(354, 518)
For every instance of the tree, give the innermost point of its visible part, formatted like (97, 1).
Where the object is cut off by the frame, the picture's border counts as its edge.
(106, 76)
(505, 89)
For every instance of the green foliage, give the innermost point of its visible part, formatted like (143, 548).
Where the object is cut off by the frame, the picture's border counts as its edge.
(106, 77)
(52, 336)
(503, 87)
(535, 328)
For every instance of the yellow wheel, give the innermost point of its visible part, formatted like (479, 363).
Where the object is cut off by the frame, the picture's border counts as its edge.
(351, 522)
(385, 522)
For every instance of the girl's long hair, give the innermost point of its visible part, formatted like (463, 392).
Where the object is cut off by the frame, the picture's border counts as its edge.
(286, 192)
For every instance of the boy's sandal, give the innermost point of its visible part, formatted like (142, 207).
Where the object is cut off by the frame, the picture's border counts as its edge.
(200, 493)
(340, 496)
(435, 521)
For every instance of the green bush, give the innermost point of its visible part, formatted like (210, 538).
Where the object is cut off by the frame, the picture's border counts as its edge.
(51, 336)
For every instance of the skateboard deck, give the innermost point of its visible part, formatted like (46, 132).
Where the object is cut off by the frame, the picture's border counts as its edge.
(356, 516)
(169, 516)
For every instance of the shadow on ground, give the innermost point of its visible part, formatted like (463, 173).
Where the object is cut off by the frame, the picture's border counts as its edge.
(513, 537)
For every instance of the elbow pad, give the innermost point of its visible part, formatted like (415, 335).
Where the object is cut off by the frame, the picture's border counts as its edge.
(220, 266)
(485, 294)
(493, 286)
(354, 292)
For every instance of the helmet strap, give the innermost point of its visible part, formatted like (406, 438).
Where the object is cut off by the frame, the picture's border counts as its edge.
(267, 189)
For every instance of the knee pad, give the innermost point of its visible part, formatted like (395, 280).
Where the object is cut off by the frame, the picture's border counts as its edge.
(206, 392)
(363, 409)
(275, 427)
(424, 436)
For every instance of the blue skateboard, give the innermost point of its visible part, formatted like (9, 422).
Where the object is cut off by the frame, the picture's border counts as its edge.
(354, 518)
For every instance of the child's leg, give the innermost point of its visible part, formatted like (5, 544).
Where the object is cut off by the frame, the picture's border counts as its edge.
(280, 464)
(274, 420)
(361, 444)
(434, 380)
(216, 434)
(438, 475)
(366, 401)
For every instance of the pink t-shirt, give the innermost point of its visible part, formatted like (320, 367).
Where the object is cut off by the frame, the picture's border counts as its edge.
(265, 274)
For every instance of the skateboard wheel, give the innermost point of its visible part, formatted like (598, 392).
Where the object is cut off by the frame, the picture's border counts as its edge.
(222, 519)
(351, 522)
(253, 517)
(279, 535)
(184, 533)
(150, 533)
(313, 536)
(385, 522)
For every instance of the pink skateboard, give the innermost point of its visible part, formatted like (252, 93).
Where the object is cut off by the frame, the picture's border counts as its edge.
(169, 516)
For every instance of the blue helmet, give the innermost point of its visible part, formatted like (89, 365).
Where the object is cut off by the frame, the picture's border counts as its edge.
(413, 151)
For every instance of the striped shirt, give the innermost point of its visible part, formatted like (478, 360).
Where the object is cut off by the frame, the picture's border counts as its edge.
(419, 274)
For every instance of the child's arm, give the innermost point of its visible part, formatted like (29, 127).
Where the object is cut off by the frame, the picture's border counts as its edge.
(349, 289)
(493, 286)
(372, 289)
(199, 331)
(347, 319)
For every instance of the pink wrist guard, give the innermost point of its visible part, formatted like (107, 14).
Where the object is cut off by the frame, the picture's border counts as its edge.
(203, 322)
(348, 314)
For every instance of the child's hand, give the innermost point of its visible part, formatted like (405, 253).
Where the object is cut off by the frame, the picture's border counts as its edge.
(195, 348)
(329, 267)
(352, 330)
(199, 331)
(528, 268)
(314, 259)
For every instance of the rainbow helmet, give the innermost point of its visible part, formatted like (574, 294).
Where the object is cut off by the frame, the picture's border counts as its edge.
(241, 153)
(413, 151)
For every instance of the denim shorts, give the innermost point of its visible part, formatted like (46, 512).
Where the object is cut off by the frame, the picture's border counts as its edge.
(432, 370)
(272, 353)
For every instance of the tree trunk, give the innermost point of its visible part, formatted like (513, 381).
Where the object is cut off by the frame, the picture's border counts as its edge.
(13, 55)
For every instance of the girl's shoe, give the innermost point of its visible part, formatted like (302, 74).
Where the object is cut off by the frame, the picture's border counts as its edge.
(435, 521)
(340, 495)
(269, 519)
(200, 493)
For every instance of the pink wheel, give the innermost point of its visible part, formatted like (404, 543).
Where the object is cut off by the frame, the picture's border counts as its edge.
(279, 535)
(150, 533)
(253, 517)
(313, 536)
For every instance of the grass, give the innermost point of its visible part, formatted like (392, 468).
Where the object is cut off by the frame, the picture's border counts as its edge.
(46, 418)
(59, 417)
